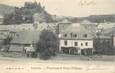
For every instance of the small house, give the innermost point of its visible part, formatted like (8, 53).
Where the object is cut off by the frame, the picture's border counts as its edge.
(23, 39)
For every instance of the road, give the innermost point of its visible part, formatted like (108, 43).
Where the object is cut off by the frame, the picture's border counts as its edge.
(31, 65)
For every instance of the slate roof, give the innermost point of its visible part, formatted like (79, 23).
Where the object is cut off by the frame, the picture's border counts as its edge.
(26, 37)
(16, 48)
(75, 29)
(2, 37)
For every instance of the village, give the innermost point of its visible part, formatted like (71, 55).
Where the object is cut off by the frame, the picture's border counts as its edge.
(20, 35)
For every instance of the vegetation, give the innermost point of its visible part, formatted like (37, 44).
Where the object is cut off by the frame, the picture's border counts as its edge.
(7, 40)
(12, 18)
(6, 43)
(47, 45)
(103, 46)
(25, 14)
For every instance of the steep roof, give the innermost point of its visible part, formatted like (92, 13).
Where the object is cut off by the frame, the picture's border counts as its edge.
(2, 37)
(26, 37)
(15, 48)
(74, 31)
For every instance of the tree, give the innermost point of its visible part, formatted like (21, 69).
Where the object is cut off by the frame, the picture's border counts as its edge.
(7, 40)
(47, 45)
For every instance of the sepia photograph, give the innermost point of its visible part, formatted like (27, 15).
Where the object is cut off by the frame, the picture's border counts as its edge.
(57, 36)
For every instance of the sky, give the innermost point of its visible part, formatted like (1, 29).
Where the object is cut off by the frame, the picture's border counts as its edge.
(76, 8)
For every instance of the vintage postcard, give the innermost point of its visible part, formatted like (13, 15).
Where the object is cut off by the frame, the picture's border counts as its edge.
(57, 36)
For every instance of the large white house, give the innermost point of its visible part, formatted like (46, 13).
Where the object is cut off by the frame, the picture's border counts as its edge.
(75, 39)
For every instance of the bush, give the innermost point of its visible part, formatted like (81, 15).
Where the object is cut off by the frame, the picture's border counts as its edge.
(47, 45)
(45, 55)
(34, 55)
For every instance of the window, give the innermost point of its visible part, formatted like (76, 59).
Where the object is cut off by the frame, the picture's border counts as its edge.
(86, 44)
(75, 35)
(76, 43)
(65, 35)
(81, 44)
(71, 34)
(85, 35)
(65, 42)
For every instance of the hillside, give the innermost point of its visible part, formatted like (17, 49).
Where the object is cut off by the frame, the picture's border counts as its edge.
(102, 18)
(16, 15)
(94, 18)
(5, 9)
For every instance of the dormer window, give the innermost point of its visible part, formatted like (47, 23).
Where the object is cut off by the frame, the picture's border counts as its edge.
(85, 35)
(75, 35)
(65, 35)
